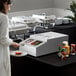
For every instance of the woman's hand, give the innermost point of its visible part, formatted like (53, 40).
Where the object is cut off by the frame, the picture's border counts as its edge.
(14, 44)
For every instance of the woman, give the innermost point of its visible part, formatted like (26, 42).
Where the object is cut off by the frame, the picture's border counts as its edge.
(5, 41)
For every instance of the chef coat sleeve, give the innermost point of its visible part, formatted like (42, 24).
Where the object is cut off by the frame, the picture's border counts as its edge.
(4, 32)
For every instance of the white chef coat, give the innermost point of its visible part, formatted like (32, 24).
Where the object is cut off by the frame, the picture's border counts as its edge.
(5, 41)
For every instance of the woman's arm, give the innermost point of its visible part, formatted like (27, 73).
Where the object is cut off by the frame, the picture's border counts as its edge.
(4, 32)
